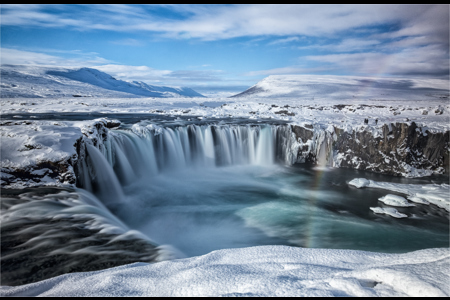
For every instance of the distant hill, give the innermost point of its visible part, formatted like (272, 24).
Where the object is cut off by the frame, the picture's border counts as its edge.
(53, 82)
(346, 87)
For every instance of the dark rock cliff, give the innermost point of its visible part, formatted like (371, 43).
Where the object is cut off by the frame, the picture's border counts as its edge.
(400, 149)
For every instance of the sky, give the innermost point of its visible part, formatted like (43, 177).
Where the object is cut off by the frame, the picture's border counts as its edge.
(224, 49)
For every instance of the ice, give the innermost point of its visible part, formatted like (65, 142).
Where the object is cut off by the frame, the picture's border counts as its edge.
(359, 182)
(394, 200)
(437, 194)
(388, 211)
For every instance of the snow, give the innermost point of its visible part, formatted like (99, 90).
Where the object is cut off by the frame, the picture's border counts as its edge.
(394, 200)
(39, 81)
(26, 143)
(437, 194)
(269, 271)
(390, 211)
(323, 87)
(254, 271)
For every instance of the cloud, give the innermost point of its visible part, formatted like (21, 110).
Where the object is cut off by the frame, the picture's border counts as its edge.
(345, 45)
(197, 75)
(123, 72)
(389, 39)
(422, 61)
(285, 71)
(285, 40)
(212, 22)
(20, 57)
(134, 73)
(150, 75)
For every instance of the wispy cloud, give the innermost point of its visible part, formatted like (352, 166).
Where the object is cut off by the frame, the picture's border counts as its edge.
(345, 45)
(427, 60)
(134, 73)
(285, 71)
(212, 22)
(285, 40)
(21, 57)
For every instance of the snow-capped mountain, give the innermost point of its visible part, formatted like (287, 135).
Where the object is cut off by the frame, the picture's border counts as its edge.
(49, 82)
(310, 87)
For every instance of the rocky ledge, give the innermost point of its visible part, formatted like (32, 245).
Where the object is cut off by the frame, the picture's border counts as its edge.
(399, 149)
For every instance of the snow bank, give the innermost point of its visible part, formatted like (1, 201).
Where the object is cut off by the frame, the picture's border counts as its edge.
(437, 194)
(388, 211)
(267, 271)
(394, 200)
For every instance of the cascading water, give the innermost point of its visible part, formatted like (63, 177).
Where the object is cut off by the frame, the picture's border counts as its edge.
(149, 150)
(201, 187)
(127, 168)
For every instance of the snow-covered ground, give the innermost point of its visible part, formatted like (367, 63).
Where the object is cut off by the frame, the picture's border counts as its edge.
(51, 82)
(255, 271)
(323, 87)
(269, 271)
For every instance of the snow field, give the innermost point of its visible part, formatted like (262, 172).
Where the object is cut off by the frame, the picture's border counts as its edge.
(268, 271)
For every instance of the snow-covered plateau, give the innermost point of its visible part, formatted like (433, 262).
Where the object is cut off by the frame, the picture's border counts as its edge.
(51, 142)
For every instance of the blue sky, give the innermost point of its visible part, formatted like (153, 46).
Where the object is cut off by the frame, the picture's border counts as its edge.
(229, 47)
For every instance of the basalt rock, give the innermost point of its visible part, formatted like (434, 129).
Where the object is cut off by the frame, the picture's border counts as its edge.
(42, 173)
(400, 149)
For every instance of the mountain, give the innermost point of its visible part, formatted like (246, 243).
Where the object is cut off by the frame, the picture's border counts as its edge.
(317, 87)
(51, 82)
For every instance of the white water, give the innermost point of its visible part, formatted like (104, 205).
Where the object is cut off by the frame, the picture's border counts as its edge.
(150, 150)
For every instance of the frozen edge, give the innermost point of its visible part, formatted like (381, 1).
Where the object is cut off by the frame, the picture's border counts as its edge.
(437, 194)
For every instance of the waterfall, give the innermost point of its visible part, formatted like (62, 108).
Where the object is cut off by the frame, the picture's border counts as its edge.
(129, 154)
(101, 177)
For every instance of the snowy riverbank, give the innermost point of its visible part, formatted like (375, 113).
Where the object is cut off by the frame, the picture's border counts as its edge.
(267, 271)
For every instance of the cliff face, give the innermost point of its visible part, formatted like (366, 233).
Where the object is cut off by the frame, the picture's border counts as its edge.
(399, 149)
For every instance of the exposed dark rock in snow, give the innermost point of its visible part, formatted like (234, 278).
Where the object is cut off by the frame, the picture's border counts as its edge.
(402, 149)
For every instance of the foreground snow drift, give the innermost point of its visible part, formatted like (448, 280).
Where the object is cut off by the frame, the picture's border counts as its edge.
(262, 271)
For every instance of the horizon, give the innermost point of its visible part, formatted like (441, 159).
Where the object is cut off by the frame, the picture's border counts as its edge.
(225, 49)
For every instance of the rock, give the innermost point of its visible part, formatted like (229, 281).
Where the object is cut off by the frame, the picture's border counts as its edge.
(402, 149)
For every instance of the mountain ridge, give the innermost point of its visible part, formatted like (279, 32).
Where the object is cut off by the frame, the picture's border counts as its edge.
(309, 87)
(54, 82)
